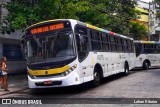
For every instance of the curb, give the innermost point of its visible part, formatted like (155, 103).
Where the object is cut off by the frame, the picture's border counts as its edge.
(14, 91)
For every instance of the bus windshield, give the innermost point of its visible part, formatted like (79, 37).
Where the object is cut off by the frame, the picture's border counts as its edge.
(50, 47)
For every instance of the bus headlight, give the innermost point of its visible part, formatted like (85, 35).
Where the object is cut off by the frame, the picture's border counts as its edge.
(32, 76)
(69, 70)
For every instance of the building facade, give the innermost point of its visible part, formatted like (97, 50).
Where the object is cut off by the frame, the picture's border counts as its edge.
(143, 18)
(155, 33)
(10, 47)
(143, 8)
(148, 18)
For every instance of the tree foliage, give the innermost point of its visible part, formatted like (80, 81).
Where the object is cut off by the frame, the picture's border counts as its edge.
(114, 15)
(140, 31)
(22, 13)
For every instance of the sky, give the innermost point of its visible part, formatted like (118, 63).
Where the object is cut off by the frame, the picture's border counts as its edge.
(146, 0)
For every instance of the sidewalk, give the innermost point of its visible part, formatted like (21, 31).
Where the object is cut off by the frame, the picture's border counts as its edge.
(15, 83)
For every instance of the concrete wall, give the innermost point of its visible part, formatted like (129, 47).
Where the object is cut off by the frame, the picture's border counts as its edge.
(143, 4)
(16, 67)
(13, 38)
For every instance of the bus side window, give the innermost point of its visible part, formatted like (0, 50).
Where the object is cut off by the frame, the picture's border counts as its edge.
(129, 46)
(116, 43)
(132, 46)
(124, 44)
(119, 42)
(105, 44)
(158, 48)
(154, 49)
(148, 48)
(138, 49)
(96, 40)
(82, 41)
(113, 43)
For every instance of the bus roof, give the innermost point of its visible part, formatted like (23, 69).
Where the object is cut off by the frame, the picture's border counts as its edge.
(103, 30)
(45, 22)
(149, 42)
(84, 24)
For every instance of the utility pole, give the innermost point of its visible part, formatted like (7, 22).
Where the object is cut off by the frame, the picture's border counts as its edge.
(149, 22)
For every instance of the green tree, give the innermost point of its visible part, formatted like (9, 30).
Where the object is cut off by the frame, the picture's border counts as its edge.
(140, 31)
(22, 13)
(114, 15)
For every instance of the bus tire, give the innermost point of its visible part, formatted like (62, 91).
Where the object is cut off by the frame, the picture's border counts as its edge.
(145, 65)
(126, 69)
(96, 79)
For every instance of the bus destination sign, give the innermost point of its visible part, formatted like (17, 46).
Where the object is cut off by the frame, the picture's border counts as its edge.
(46, 28)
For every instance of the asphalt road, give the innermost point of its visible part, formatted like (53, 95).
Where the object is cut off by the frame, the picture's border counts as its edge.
(138, 84)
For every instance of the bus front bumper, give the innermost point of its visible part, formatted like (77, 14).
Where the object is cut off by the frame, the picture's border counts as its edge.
(69, 80)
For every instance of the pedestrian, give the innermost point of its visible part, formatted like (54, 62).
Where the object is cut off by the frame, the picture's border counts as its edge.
(4, 73)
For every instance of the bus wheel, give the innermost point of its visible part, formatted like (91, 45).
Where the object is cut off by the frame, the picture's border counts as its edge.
(126, 69)
(97, 79)
(145, 65)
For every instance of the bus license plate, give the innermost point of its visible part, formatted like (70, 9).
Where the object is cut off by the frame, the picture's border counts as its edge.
(47, 82)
